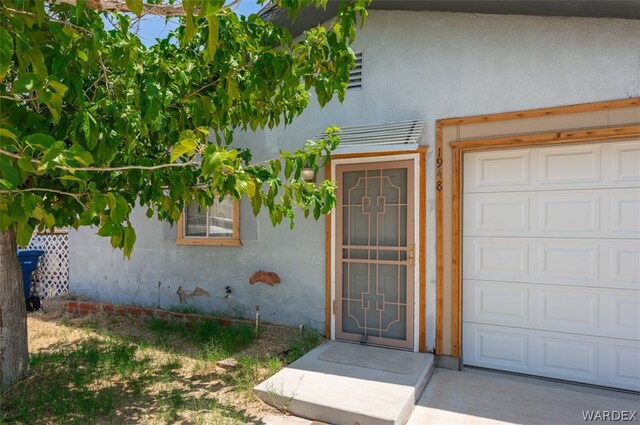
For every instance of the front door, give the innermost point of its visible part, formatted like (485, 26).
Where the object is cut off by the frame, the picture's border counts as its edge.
(375, 253)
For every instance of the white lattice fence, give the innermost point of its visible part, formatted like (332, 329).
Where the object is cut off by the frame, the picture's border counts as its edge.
(52, 277)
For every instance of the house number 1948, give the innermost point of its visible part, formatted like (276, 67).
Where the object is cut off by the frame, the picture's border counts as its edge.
(439, 171)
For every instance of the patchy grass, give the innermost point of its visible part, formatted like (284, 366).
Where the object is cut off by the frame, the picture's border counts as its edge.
(251, 371)
(304, 341)
(216, 341)
(110, 369)
(74, 384)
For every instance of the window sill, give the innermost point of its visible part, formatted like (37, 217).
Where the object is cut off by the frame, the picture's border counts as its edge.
(208, 242)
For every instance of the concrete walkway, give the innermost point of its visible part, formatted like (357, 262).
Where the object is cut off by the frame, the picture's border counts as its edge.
(346, 384)
(486, 398)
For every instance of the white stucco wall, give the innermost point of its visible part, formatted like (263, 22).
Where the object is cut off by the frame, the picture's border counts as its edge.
(416, 65)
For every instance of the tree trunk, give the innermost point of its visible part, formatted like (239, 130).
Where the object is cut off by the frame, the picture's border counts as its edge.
(14, 353)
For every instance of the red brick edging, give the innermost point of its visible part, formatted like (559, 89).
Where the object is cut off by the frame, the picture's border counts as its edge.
(87, 307)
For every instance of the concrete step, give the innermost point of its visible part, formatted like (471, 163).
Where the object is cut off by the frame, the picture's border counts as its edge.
(347, 384)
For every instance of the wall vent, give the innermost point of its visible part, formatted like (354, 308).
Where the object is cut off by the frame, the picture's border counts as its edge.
(355, 75)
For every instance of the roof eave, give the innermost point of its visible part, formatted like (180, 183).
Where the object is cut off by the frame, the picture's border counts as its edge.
(311, 16)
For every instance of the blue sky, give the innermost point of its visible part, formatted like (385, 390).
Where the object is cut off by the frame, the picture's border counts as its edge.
(152, 27)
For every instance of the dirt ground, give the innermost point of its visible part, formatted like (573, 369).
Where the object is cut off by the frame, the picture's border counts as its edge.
(205, 392)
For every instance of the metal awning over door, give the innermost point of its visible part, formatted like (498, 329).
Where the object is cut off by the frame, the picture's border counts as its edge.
(400, 135)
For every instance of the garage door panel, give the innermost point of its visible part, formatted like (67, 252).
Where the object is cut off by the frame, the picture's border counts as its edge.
(605, 263)
(624, 310)
(496, 259)
(573, 261)
(609, 165)
(625, 264)
(624, 365)
(570, 213)
(497, 347)
(625, 216)
(572, 310)
(596, 360)
(625, 158)
(496, 170)
(551, 262)
(610, 213)
(569, 309)
(497, 214)
(496, 301)
(567, 357)
(569, 165)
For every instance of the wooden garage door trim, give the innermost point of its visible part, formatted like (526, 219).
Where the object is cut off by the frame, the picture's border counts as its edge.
(457, 149)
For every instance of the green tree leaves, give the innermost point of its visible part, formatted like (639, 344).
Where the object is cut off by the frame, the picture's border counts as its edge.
(6, 51)
(40, 140)
(60, 88)
(187, 144)
(135, 6)
(25, 83)
(94, 124)
(54, 103)
(9, 174)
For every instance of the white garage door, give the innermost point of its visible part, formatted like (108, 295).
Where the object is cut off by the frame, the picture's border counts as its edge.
(551, 262)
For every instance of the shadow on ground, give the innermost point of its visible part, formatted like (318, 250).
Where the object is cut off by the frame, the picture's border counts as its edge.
(112, 382)
(114, 369)
(194, 340)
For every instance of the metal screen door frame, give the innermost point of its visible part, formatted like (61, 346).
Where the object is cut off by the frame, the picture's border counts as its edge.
(409, 260)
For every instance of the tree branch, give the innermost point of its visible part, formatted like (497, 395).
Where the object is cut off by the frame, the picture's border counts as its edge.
(147, 9)
(131, 167)
(86, 92)
(109, 169)
(104, 73)
(20, 99)
(233, 5)
(40, 189)
(121, 6)
(206, 86)
(69, 24)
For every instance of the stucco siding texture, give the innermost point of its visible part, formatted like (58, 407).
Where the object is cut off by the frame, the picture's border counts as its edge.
(158, 268)
(428, 65)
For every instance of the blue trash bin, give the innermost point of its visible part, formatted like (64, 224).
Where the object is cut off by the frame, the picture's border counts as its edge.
(29, 262)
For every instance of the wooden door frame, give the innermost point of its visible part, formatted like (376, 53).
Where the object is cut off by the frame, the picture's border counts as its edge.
(456, 150)
(419, 156)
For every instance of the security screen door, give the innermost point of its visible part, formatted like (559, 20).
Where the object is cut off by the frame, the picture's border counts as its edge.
(375, 253)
